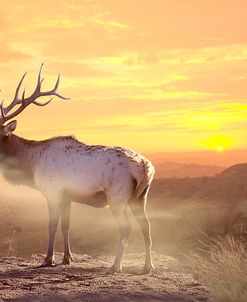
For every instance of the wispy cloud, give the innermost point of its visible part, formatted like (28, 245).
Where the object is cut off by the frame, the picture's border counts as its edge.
(9, 54)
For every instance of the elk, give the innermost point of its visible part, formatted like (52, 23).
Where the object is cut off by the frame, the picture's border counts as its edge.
(65, 170)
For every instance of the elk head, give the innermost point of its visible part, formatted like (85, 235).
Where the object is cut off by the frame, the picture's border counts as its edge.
(20, 104)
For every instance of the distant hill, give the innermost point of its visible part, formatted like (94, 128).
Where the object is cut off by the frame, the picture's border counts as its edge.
(170, 169)
(230, 186)
(224, 159)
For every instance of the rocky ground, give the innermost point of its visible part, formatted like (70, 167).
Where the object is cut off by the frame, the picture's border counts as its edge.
(87, 279)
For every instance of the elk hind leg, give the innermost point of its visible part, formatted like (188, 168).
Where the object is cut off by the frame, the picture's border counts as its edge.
(138, 208)
(122, 221)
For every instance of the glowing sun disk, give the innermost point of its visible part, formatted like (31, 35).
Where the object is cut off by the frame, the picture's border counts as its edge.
(219, 149)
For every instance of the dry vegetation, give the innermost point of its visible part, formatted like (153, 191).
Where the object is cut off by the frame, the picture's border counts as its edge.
(222, 268)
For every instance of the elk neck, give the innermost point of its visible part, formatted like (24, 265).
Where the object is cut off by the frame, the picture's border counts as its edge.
(25, 153)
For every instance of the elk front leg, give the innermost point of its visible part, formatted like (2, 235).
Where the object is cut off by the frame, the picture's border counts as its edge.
(65, 220)
(54, 213)
(124, 230)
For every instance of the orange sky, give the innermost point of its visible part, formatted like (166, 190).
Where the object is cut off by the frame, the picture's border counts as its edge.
(151, 75)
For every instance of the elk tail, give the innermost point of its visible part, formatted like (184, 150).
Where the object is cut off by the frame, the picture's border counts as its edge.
(145, 182)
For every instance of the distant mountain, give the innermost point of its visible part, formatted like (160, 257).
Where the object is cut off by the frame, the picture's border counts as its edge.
(235, 171)
(170, 169)
(228, 186)
(224, 159)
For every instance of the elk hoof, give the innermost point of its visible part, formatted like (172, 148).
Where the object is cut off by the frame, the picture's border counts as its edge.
(67, 260)
(48, 262)
(113, 270)
(147, 269)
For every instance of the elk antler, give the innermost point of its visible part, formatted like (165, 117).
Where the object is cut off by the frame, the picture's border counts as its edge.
(24, 102)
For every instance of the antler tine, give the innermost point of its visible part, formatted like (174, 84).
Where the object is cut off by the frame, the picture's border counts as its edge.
(57, 83)
(39, 78)
(61, 97)
(42, 104)
(2, 113)
(2, 110)
(16, 100)
(19, 86)
(55, 89)
(23, 95)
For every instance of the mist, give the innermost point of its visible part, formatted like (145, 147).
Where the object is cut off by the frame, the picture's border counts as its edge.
(178, 222)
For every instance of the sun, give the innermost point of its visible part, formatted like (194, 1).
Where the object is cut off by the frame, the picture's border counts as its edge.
(219, 149)
(218, 143)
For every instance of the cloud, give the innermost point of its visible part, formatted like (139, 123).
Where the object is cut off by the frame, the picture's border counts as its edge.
(102, 19)
(74, 69)
(7, 54)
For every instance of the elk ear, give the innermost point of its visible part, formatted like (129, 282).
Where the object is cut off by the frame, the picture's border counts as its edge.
(9, 128)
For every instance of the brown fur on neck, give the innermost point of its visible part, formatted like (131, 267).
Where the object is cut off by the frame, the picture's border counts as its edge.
(15, 163)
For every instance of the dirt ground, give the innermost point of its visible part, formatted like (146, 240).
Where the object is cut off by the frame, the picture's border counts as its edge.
(87, 279)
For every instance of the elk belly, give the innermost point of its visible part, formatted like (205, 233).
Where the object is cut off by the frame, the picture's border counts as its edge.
(97, 200)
